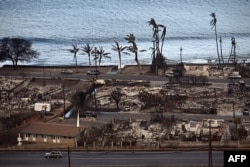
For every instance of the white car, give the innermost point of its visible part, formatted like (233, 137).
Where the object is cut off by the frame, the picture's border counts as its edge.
(53, 154)
(235, 76)
(66, 71)
(93, 72)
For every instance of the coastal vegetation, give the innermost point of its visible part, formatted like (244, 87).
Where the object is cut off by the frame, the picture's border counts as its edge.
(133, 48)
(87, 49)
(158, 60)
(74, 50)
(213, 24)
(120, 50)
(17, 50)
(102, 54)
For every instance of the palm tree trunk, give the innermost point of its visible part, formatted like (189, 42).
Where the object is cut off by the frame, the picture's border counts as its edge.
(89, 60)
(221, 50)
(216, 38)
(162, 45)
(76, 62)
(138, 63)
(120, 59)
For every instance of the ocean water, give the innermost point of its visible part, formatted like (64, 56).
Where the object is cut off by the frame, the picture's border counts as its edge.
(53, 25)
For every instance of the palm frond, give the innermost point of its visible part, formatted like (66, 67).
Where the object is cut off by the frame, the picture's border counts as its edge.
(152, 22)
(213, 21)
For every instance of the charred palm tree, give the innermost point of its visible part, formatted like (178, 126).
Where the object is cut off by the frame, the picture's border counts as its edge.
(157, 49)
(120, 50)
(133, 49)
(117, 95)
(155, 29)
(163, 34)
(213, 23)
(102, 54)
(87, 49)
(74, 50)
(232, 56)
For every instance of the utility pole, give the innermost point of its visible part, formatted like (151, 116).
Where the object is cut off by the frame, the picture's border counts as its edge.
(233, 112)
(69, 163)
(221, 51)
(210, 158)
(64, 107)
(181, 54)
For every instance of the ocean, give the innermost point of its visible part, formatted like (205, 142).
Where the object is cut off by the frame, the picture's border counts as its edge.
(53, 25)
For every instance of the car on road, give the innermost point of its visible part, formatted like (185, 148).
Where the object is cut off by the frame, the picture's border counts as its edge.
(53, 154)
(88, 114)
(66, 71)
(247, 103)
(93, 72)
(235, 75)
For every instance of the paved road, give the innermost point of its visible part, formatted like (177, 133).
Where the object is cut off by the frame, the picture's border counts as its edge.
(119, 77)
(118, 159)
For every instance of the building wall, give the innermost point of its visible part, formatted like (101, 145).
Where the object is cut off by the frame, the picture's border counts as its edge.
(49, 139)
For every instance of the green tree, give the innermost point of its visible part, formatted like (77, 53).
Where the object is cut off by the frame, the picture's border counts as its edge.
(77, 99)
(17, 50)
(74, 50)
(120, 50)
(87, 49)
(102, 54)
(213, 23)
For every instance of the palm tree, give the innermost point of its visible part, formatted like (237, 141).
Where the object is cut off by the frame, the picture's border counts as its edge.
(232, 56)
(87, 49)
(120, 49)
(213, 25)
(96, 56)
(156, 29)
(101, 53)
(164, 30)
(133, 48)
(156, 50)
(74, 50)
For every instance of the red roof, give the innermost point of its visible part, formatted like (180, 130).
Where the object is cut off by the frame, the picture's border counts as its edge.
(52, 129)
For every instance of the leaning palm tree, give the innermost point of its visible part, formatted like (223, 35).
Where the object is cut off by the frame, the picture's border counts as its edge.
(163, 34)
(120, 49)
(102, 54)
(133, 48)
(156, 29)
(87, 49)
(213, 23)
(74, 50)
